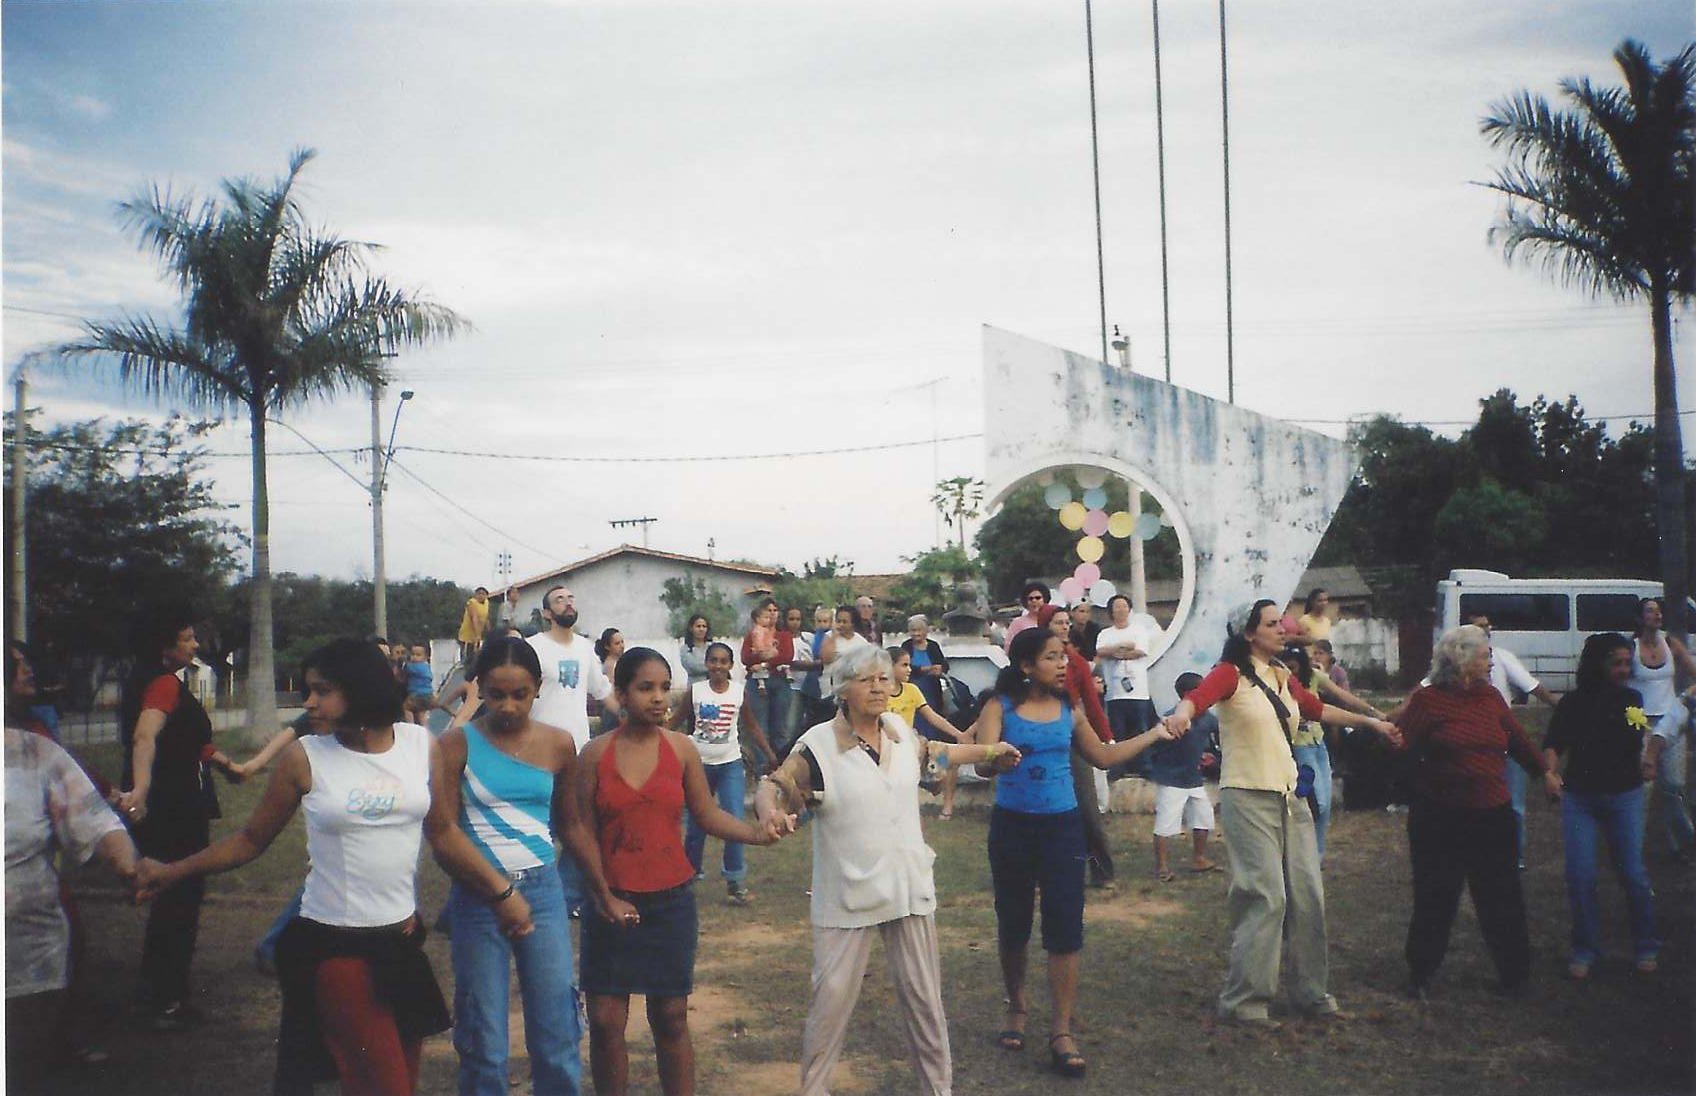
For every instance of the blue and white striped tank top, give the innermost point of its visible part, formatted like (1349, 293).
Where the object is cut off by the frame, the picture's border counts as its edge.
(505, 806)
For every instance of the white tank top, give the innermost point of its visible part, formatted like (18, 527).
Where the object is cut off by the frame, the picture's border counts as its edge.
(1654, 682)
(364, 825)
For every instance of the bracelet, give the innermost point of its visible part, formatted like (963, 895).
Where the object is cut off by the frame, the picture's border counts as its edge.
(993, 750)
(511, 889)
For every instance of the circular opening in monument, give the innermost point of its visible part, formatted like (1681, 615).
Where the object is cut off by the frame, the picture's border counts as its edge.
(1106, 529)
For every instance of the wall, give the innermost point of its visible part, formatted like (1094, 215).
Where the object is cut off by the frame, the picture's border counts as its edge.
(1361, 641)
(1252, 495)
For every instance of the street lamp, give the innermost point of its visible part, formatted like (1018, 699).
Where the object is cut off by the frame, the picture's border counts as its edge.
(1139, 572)
(380, 458)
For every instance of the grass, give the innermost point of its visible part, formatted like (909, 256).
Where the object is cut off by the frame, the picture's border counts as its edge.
(1154, 958)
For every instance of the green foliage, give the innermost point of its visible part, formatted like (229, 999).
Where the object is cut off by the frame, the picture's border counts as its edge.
(1491, 526)
(958, 500)
(929, 587)
(1024, 540)
(686, 596)
(120, 517)
(823, 581)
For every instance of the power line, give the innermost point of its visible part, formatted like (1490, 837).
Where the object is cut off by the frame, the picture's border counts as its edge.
(555, 458)
(455, 504)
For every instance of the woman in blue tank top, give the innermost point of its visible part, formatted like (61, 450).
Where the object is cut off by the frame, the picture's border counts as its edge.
(501, 794)
(1035, 837)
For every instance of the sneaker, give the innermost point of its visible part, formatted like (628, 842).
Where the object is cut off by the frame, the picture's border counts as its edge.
(740, 895)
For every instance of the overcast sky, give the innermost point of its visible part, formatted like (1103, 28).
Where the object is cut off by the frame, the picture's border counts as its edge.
(696, 230)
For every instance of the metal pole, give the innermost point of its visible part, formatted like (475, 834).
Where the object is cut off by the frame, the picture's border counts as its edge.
(1139, 572)
(379, 576)
(1095, 168)
(18, 601)
(1225, 123)
(1160, 165)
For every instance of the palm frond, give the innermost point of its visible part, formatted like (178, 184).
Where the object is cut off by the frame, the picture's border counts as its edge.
(158, 362)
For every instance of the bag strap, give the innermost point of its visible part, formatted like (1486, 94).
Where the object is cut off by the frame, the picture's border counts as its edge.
(1278, 706)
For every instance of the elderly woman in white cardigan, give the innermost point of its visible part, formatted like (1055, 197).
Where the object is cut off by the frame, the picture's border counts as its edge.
(871, 867)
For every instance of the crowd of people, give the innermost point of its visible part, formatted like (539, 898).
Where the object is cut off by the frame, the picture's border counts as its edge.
(538, 815)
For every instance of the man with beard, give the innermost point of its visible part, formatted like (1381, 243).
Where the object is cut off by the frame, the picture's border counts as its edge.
(571, 673)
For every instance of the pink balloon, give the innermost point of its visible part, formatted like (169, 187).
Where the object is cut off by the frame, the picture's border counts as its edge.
(1070, 590)
(1087, 574)
(1095, 522)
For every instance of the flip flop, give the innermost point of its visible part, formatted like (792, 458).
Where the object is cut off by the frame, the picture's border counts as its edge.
(1166, 876)
(1066, 1064)
(1211, 865)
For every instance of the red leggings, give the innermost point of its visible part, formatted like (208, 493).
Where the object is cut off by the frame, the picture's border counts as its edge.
(360, 1031)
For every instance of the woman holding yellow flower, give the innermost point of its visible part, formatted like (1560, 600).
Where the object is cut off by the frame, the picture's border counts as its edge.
(1600, 727)
(1461, 828)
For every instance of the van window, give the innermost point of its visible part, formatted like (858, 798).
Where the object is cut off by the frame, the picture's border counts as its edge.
(1519, 612)
(1607, 612)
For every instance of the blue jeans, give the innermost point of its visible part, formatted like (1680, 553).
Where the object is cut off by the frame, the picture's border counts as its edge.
(266, 952)
(1320, 758)
(571, 879)
(482, 962)
(728, 782)
(1516, 792)
(1587, 817)
(773, 701)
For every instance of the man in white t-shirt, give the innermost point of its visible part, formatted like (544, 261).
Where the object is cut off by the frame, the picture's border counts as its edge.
(571, 673)
(1122, 653)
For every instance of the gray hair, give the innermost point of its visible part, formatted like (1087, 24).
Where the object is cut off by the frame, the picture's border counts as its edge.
(856, 660)
(1457, 648)
(917, 620)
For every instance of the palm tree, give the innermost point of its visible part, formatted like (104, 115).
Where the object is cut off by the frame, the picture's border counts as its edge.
(958, 501)
(1601, 192)
(276, 313)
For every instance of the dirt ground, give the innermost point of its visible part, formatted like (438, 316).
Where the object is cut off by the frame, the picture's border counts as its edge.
(1154, 957)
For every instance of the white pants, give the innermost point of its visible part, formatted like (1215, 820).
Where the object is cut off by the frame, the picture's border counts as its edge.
(839, 967)
(1180, 809)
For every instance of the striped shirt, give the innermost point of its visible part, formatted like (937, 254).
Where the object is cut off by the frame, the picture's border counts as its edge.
(505, 806)
(1461, 736)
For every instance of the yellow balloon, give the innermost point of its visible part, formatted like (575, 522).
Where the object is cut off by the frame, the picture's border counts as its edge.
(1072, 515)
(1090, 549)
(1120, 524)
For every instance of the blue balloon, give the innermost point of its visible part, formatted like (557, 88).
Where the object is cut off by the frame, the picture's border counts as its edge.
(1095, 498)
(1056, 495)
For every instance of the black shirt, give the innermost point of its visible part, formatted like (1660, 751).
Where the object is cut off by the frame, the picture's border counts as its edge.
(1595, 730)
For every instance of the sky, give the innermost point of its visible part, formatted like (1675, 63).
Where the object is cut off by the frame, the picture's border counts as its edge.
(686, 231)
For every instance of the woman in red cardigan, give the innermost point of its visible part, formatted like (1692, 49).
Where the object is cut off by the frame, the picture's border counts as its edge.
(1081, 689)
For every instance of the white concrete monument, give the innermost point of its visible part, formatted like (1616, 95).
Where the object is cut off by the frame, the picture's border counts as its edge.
(1248, 496)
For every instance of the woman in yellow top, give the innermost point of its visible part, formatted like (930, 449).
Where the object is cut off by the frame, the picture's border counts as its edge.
(473, 624)
(909, 703)
(1314, 625)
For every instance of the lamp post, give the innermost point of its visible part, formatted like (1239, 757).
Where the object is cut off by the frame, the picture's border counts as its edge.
(379, 474)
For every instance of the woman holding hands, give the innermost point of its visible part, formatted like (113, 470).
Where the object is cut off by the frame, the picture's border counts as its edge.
(859, 773)
(633, 785)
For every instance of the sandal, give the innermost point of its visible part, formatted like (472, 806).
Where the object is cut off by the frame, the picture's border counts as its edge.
(1166, 876)
(1012, 1039)
(1066, 1064)
(946, 815)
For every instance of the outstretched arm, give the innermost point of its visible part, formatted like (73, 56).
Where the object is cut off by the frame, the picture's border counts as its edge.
(703, 806)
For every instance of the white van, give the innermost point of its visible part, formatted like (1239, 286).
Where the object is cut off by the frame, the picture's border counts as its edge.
(1542, 620)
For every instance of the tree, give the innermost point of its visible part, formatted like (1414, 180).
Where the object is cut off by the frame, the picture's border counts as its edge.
(929, 587)
(958, 501)
(686, 596)
(1601, 192)
(1491, 526)
(120, 517)
(276, 314)
(821, 582)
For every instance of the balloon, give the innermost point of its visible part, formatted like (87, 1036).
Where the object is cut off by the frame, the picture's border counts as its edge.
(1148, 526)
(1095, 522)
(1087, 574)
(1072, 515)
(1088, 476)
(1102, 592)
(1090, 549)
(1045, 478)
(1095, 498)
(1069, 590)
(1120, 524)
(1056, 495)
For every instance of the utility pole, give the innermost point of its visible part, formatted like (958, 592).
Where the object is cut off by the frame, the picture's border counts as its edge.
(17, 608)
(625, 523)
(379, 574)
(1139, 572)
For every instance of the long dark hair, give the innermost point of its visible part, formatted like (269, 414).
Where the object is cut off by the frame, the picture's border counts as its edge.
(1643, 603)
(1593, 660)
(603, 646)
(689, 630)
(507, 651)
(632, 660)
(1236, 650)
(360, 671)
(1012, 682)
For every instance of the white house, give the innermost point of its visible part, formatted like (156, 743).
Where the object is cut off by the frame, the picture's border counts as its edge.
(621, 589)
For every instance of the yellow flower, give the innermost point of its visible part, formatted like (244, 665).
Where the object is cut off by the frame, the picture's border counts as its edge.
(1636, 719)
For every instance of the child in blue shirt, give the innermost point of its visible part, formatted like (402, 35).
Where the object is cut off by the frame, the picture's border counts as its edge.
(1180, 794)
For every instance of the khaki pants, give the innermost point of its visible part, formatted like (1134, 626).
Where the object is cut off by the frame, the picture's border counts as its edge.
(1276, 896)
(839, 967)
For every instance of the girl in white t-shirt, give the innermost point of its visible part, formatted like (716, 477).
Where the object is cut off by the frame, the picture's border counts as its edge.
(713, 717)
(358, 992)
